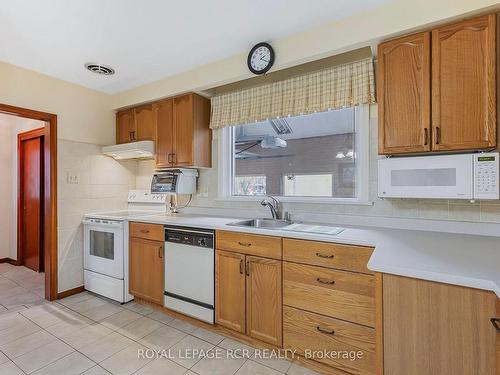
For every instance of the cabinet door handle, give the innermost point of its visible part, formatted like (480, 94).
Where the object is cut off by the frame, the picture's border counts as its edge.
(174, 158)
(438, 135)
(247, 268)
(246, 244)
(144, 230)
(241, 266)
(160, 252)
(324, 281)
(495, 322)
(426, 136)
(325, 331)
(326, 256)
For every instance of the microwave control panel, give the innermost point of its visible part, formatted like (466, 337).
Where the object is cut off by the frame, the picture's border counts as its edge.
(486, 170)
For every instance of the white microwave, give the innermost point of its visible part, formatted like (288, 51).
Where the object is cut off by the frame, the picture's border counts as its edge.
(461, 176)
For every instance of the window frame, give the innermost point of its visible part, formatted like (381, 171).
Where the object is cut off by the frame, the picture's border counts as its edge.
(225, 137)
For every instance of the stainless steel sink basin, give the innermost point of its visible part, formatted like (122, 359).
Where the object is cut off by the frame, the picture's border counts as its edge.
(262, 223)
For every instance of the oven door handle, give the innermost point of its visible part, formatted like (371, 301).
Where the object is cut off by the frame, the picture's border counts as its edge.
(109, 225)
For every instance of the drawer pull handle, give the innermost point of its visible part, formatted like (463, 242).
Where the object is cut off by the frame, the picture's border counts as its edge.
(325, 331)
(144, 231)
(323, 281)
(246, 244)
(326, 256)
(495, 322)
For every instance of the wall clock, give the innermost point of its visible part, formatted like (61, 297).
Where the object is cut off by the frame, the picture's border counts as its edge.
(260, 58)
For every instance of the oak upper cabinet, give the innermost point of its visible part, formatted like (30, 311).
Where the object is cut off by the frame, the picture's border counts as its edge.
(144, 123)
(125, 126)
(135, 124)
(434, 328)
(164, 132)
(464, 85)
(184, 138)
(404, 103)
(230, 290)
(264, 299)
(146, 268)
(460, 93)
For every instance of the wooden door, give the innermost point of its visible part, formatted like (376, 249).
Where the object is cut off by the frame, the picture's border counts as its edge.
(146, 271)
(464, 85)
(183, 131)
(498, 339)
(144, 123)
(403, 86)
(434, 328)
(30, 201)
(163, 112)
(230, 290)
(125, 126)
(264, 300)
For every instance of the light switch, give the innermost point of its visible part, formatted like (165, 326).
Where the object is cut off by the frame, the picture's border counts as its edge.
(72, 178)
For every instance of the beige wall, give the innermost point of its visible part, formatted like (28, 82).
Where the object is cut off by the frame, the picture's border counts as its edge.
(83, 115)
(363, 29)
(5, 189)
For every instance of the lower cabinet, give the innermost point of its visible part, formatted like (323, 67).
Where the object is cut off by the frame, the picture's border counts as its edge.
(249, 296)
(230, 290)
(146, 276)
(264, 299)
(308, 332)
(435, 328)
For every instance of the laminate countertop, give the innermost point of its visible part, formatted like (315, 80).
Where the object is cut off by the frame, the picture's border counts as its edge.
(459, 259)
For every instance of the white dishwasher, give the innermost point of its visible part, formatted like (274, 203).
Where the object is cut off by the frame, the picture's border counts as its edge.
(189, 272)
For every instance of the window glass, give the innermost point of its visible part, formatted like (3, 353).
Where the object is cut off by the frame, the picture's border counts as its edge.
(302, 156)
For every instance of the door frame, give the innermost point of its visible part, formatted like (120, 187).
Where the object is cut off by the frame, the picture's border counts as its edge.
(21, 137)
(49, 191)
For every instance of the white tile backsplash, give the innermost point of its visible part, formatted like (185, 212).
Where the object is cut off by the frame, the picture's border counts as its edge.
(103, 184)
(393, 208)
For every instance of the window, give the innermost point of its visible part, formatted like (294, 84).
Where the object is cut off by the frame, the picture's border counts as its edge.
(309, 157)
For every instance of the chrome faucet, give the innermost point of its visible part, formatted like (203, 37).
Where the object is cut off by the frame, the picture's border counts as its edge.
(273, 204)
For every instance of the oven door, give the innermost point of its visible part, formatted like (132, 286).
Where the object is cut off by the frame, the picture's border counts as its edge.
(103, 247)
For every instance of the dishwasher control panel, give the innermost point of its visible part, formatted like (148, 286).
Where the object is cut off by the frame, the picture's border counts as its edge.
(188, 237)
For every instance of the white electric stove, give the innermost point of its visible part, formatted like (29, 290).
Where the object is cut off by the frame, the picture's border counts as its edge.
(105, 244)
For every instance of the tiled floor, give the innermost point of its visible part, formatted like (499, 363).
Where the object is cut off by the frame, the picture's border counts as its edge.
(86, 334)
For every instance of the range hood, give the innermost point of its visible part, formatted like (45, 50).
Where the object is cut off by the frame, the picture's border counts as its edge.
(133, 150)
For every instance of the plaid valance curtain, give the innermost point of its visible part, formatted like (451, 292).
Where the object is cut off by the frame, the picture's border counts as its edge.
(340, 86)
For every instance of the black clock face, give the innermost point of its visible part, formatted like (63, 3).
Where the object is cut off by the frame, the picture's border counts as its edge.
(261, 58)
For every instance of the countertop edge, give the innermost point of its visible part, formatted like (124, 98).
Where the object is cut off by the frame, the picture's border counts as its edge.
(373, 265)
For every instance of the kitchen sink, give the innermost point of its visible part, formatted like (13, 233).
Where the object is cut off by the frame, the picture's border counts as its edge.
(262, 223)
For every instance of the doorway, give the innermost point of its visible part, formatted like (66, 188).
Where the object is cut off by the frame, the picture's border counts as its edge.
(37, 197)
(30, 146)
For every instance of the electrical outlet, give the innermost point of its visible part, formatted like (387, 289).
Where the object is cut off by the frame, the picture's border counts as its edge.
(72, 178)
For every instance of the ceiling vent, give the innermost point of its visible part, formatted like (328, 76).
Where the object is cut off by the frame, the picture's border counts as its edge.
(100, 69)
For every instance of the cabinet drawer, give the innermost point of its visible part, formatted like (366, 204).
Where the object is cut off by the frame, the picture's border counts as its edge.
(325, 254)
(306, 332)
(153, 232)
(344, 295)
(250, 244)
